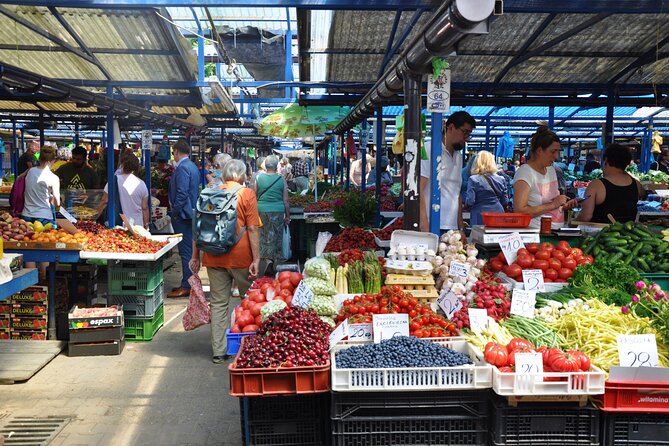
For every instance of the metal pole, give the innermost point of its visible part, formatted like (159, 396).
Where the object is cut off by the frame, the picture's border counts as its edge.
(76, 134)
(15, 149)
(363, 157)
(412, 152)
(111, 178)
(348, 168)
(41, 131)
(435, 153)
(608, 130)
(380, 149)
(147, 172)
(551, 116)
(487, 135)
(341, 157)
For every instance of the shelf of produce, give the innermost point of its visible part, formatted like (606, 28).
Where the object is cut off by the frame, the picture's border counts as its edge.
(172, 243)
(549, 383)
(20, 281)
(465, 377)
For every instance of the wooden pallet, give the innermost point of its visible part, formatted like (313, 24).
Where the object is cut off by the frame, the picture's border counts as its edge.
(20, 360)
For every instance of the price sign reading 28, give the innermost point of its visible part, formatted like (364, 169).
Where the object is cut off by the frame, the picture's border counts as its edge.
(638, 350)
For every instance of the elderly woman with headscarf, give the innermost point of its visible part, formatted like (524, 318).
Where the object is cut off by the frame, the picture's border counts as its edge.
(274, 210)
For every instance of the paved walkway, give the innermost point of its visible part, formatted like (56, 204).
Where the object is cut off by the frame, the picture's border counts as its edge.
(163, 392)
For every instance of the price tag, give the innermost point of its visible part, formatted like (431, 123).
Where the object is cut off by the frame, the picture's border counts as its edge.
(533, 280)
(478, 319)
(510, 245)
(60, 245)
(458, 269)
(638, 350)
(388, 326)
(360, 332)
(303, 295)
(530, 363)
(523, 302)
(67, 215)
(339, 333)
(449, 303)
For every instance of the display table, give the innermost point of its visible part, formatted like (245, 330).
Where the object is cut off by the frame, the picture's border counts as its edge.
(21, 280)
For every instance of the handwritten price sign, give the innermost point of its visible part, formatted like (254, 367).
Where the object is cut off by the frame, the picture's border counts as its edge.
(303, 296)
(449, 304)
(339, 333)
(510, 246)
(387, 326)
(523, 302)
(360, 332)
(638, 350)
(458, 269)
(530, 363)
(478, 319)
(534, 280)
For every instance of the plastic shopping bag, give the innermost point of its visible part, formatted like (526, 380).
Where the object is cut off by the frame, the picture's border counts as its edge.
(322, 242)
(198, 312)
(286, 251)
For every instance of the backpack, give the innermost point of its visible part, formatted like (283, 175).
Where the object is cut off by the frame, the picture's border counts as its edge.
(215, 222)
(16, 196)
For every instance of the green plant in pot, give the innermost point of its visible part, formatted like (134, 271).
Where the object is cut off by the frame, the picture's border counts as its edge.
(355, 210)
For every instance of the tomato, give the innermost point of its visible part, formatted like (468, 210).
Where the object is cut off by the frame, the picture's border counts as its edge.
(582, 358)
(559, 255)
(284, 275)
(289, 300)
(285, 293)
(496, 354)
(258, 320)
(235, 329)
(524, 260)
(560, 361)
(540, 264)
(295, 279)
(514, 271)
(551, 274)
(577, 251)
(569, 263)
(547, 246)
(245, 319)
(543, 255)
(588, 259)
(506, 369)
(523, 252)
(264, 288)
(519, 343)
(554, 264)
(565, 273)
(496, 264)
(287, 285)
(258, 298)
(563, 246)
(533, 248)
(238, 311)
(415, 326)
(544, 354)
(255, 310)
(250, 329)
(580, 260)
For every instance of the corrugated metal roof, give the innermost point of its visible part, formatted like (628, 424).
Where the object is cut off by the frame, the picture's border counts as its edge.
(17, 105)
(59, 65)
(567, 70)
(508, 33)
(66, 107)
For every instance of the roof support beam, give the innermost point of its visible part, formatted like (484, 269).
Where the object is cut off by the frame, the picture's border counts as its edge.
(119, 51)
(526, 55)
(405, 33)
(47, 35)
(648, 57)
(391, 38)
(172, 37)
(369, 5)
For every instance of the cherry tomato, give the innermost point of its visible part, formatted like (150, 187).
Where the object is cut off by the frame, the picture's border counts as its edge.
(540, 264)
(543, 255)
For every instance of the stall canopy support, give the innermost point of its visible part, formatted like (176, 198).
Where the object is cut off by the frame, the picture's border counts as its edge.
(111, 178)
(435, 193)
(380, 151)
(15, 149)
(147, 172)
(412, 152)
(363, 156)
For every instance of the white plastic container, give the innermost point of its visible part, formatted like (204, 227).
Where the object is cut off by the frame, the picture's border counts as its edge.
(465, 377)
(550, 287)
(423, 241)
(570, 383)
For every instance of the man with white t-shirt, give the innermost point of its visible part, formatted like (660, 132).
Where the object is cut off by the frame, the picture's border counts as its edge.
(456, 131)
(132, 193)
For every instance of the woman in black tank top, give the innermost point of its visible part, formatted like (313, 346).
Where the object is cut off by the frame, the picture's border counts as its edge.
(616, 194)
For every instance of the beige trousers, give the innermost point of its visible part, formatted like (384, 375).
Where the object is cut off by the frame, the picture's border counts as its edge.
(220, 283)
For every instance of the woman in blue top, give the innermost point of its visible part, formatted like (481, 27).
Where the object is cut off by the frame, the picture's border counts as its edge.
(272, 195)
(486, 190)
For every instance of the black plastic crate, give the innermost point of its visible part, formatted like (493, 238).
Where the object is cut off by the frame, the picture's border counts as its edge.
(635, 429)
(539, 424)
(285, 420)
(410, 418)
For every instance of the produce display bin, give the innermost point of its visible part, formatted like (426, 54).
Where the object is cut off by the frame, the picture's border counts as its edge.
(506, 219)
(534, 424)
(278, 381)
(95, 321)
(144, 329)
(636, 396)
(234, 341)
(285, 420)
(635, 429)
(129, 277)
(465, 377)
(139, 305)
(411, 418)
(561, 383)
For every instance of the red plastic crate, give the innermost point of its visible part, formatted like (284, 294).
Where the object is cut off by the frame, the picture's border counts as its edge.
(637, 396)
(506, 219)
(278, 381)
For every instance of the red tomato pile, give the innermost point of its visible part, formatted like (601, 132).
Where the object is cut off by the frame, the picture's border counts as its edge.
(492, 296)
(385, 233)
(554, 359)
(120, 240)
(557, 263)
(423, 322)
(351, 238)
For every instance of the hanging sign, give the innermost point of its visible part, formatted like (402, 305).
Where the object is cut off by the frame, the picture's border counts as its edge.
(147, 140)
(439, 92)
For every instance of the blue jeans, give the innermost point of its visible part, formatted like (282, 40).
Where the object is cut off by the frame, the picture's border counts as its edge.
(185, 247)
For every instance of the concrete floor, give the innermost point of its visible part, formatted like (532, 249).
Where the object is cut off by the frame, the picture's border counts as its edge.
(163, 392)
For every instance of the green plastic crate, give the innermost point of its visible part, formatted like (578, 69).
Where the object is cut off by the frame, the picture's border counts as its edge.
(134, 278)
(144, 329)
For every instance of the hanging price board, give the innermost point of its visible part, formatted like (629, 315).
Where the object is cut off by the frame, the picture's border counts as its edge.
(339, 333)
(360, 332)
(638, 350)
(478, 319)
(449, 303)
(510, 245)
(388, 326)
(523, 302)
(534, 280)
(458, 269)
(302, 296)
(530, 363)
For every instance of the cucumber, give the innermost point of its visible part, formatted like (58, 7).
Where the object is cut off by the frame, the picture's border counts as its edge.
(643, 265)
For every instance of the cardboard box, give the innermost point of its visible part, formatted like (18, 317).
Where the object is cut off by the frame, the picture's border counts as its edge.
(95, 349)
(29, 323)
(4, 334)
(29, 309)
(5, 307)
(88, 335)
(31, 294)
(76, 323)
(28, 335)
(5, 321)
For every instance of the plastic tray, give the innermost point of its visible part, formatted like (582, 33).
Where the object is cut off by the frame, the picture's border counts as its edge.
(550, 287)
(467, 377)
(139, 306)
(529, 424)
(141, 278)
(285, 420)
(635, 396)
(278, 381)
(172, 243)
(144, 329)
(410, 418)
(382, 243)
(635, 429)
(234, 341)
(413, 238)
(506, 219)
(571, 383)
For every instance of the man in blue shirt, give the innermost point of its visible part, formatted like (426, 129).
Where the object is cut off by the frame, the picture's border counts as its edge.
(183, 192)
